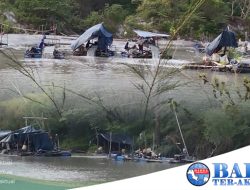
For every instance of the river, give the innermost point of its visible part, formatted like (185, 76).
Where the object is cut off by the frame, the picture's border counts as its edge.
(76, 169)
(101, 76)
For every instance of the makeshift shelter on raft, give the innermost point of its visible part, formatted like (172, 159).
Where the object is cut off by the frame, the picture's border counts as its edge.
(145, 39)
(104, 38)
(225, 39)
(33, 139)
(118, 142)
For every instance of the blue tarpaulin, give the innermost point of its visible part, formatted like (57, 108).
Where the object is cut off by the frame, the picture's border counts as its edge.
(105, 38)
(225, 39)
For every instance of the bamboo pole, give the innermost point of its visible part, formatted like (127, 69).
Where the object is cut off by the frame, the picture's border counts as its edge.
(177, 120)
(110, 143)
(153, 148)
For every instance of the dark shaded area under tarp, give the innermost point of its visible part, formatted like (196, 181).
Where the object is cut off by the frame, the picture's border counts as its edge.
(225, 39)
(105, 38)
(119, 141)
(35, 139)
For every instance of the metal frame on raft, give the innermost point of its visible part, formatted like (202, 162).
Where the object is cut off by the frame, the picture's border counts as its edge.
(35, 118)
(2, 43)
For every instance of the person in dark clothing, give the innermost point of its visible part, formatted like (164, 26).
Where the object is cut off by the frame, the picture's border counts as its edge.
(140, 48)
(152, 41)
(140, 45)
(126, 46)
(88, 44)
(41, 45)
(56, 142)
(33, 50)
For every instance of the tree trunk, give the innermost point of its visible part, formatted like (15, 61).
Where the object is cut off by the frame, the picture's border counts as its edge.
(157, 129)
(232, 9)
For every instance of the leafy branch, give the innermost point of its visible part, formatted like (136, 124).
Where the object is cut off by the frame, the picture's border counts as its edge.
(157, 82)
(17, 65)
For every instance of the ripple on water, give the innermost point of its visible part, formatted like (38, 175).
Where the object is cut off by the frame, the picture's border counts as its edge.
(76, 169)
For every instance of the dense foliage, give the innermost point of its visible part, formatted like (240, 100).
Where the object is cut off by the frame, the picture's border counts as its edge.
(210, 130)
(76, 15)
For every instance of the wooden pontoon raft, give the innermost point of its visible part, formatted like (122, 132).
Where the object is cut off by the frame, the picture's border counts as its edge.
(215, 66)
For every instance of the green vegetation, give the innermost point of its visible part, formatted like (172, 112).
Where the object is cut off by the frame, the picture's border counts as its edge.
(119, 16)
(220, 127)
(40, 12)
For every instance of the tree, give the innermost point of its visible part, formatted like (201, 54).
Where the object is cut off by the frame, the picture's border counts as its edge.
(152, 13)
(157, 82)
(240, 8)
(113, 16)
(210, 19)
(45, 12)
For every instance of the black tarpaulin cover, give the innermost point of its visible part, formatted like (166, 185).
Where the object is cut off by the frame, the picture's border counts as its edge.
(28, 129)
(41, 141)
(3, 134)
(36, 138)
(225, 39)
(117, 138)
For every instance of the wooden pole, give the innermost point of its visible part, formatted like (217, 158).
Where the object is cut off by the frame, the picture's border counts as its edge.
(110, 143)
(43, 125)
(58, 142)
(153, 142)
(132, 147)
(97, 138)
(28, 145)
(177, 120)
(1, 34)
(38, 118)
(26, 122)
